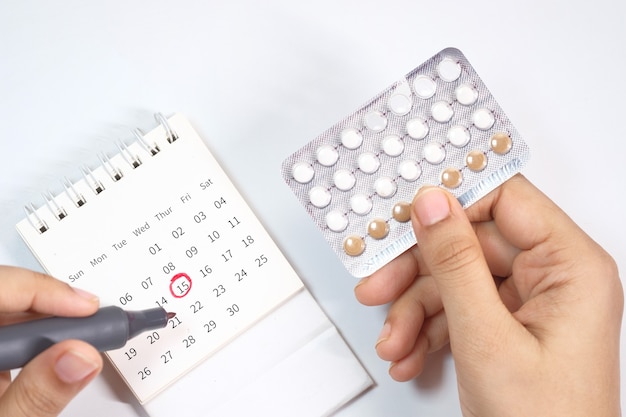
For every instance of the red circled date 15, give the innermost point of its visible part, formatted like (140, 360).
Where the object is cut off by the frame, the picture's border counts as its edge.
(180, 285)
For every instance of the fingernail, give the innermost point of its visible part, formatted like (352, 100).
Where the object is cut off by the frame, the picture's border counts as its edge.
(431, 206)
(72, 367)
(85, 294)
(384, 334)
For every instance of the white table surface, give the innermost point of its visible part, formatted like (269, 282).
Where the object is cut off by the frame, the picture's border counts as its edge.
(260, 79)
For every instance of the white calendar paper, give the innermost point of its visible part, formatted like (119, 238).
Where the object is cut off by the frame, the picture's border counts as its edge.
(160, 224)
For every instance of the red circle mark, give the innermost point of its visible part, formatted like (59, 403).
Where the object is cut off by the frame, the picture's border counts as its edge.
(183, 287)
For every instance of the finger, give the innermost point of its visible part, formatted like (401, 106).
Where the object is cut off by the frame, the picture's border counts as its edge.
(47, 383)
(5, 380)
(432, 337)
(25, 290)
(386, 284)
(536, 216)
(498, 251)
(509, 295)
(453, 255)
(548, 239)
(406, 317)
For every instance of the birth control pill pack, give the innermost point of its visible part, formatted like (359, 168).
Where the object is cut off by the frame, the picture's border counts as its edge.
(439, 125)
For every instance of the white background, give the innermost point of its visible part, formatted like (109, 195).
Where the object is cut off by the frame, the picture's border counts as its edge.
(260, 79)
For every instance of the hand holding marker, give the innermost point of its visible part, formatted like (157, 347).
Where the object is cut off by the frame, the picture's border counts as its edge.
(110, 328)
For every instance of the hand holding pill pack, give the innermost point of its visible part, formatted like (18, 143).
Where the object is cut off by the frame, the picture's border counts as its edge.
(439, 125)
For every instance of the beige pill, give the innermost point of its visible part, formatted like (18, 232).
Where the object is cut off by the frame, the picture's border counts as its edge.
(476, 161)
(354, 245)
(501, 143)
(378, 228)
(451, 177)
(401, 211)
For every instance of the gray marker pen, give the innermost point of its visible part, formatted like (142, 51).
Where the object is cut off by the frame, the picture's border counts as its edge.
(110, 328)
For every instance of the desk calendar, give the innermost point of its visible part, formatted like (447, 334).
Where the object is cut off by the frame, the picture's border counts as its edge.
(161, 224)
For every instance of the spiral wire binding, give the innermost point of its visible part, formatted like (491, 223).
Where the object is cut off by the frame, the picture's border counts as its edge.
(94, 183)
(58, 211)
(91, 180)
(71, 192)
(132, 160)
(116, 174)
(171, 135)
(34, 219)
(152, 148)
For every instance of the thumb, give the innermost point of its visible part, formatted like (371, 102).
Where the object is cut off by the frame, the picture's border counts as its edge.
(452, 253)
(48, 382)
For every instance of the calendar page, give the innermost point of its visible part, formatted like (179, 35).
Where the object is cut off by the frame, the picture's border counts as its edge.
(160, 224)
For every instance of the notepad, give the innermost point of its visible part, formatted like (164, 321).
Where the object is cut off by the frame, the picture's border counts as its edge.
(161, 224)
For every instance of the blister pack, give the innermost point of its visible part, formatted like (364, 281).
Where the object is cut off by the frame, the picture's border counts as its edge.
(439, 125)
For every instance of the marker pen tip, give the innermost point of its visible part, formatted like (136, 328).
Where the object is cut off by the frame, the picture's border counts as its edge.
(171, 315)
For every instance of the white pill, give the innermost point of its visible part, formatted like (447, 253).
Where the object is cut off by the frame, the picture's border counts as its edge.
(302, 172)
(319, 196)
(409, 170)
(344, 179)
(442, 111)
(351, 138)
(424, 86)
(459, 136)
(400, 104)
(327, 155)
(368, 162)
(434, 153)
(483, 119)
(385, 187)
(393, 145)
(336, 221)
(449, 69)
(375, 121)
(361, 204)
(417, 128)
(466, 94)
